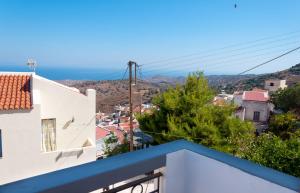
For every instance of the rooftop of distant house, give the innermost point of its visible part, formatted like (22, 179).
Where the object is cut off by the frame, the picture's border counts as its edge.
(256, 95)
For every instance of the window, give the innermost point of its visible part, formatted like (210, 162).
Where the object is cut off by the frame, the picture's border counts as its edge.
(271, 84)
(256, 116)
(0, 143)
(48, 135)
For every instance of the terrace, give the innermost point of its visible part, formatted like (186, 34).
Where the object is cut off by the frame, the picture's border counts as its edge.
(176, 167)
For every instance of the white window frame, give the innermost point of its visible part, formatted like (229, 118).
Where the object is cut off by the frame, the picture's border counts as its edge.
(50, 136)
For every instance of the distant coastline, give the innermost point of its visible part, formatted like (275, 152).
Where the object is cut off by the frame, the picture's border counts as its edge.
(68, 73)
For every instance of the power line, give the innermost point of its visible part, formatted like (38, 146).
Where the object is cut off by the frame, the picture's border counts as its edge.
(286, 53)
(125, 73)
(222, 48)
(115, 75)
(234, 63)
(172, 64)
(213, 54)
(172, 135)
(140, 72)
(218, 63)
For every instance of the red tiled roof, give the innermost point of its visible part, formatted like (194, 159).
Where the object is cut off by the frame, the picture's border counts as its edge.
(101, 132)
(137, 109)
(255, 96)
(15, 92)
(126, 126)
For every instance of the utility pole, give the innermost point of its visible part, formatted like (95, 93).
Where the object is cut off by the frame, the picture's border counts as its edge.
(140, 93)
(130, 63)
(141, 102)
(135, 73)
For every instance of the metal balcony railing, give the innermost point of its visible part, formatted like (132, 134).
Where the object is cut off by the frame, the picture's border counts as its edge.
(137, 184)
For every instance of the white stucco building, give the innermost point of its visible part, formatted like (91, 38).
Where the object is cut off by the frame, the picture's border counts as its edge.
(275, 84)
(253, 105)
(44, 126)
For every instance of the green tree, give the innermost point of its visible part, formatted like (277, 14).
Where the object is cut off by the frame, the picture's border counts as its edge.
(112, 147)
(271, 151)
(284, 125)
(287, 99)
(187, 112)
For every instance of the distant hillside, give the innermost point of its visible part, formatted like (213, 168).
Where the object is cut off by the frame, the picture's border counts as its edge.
(114, 92)
(216, 81)
(291, 75)
(219, 82)
(166, 80)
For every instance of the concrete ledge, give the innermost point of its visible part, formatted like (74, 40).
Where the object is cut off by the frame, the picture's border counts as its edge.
(95, 175)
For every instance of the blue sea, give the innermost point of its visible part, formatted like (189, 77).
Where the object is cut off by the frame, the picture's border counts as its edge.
(76, 73)
(68, 73)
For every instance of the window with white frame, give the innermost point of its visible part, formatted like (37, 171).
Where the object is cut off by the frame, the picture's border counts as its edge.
(49, 135)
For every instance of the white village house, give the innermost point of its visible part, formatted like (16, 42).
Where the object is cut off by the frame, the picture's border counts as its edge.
(253, 105)
(44, 126)
(273, 85)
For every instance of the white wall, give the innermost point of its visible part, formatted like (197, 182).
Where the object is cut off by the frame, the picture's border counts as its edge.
(251, 106)
(22, 138)
(64, 104)
(277, 84)
(189, 172)
(238, 99)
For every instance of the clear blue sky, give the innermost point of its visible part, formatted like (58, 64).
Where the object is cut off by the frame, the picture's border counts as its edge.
(107, 33)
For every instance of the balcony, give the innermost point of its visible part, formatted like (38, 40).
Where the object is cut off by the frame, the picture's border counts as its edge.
(176, 167)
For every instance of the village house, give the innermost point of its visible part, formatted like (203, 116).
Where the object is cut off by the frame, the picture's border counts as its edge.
(253, 105)
(275, 84)
(120, 130)
(223, 99)
(44, 126)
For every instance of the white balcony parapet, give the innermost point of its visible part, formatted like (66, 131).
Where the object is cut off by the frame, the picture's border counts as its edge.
(187, 168)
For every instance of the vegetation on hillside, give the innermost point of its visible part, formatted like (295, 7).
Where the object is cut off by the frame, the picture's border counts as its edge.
(116, 92)
(284, 125)
(272, 151)
(292, 75)
(287, 99)
(112, 146)
(187, 112)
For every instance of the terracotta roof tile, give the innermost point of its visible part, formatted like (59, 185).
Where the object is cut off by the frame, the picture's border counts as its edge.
(15, 92)
(255, 96)
(101, 132)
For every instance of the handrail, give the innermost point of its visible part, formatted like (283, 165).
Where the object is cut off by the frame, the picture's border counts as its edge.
(135, 183)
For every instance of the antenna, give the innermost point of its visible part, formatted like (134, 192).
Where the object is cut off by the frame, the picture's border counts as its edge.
(31, 63)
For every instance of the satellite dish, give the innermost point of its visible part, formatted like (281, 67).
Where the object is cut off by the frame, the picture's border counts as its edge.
(31, 63)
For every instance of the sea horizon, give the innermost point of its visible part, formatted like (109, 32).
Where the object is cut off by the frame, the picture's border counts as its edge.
(80, 73)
